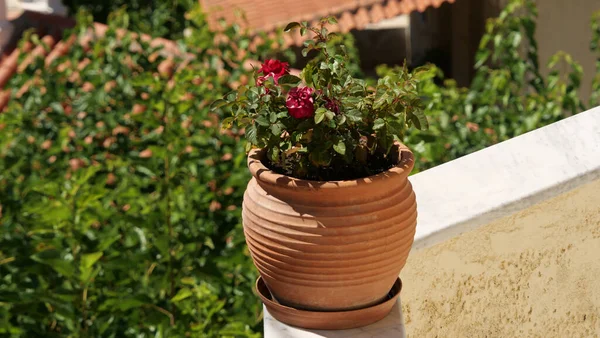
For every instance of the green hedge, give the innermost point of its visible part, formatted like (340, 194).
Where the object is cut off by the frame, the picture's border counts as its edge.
(164, 18)
(120, 195)
(508, 96)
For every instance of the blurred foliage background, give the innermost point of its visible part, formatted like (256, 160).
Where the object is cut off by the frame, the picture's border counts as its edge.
(157, 18)
(120, 194)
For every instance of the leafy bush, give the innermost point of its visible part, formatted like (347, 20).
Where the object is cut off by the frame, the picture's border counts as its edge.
(120, 195)
(508, 96)
(157, 18)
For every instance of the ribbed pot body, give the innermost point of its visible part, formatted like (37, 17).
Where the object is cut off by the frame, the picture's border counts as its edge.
(329, 246)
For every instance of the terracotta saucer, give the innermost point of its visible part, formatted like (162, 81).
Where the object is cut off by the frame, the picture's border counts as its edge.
(321, 320)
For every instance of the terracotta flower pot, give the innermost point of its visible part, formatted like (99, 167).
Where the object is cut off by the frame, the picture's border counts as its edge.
(330, 246)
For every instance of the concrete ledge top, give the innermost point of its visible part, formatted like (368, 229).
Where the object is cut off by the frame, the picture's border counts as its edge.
(498, 181)
(392, 326)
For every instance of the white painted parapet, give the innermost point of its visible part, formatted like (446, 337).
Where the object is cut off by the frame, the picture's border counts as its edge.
(503, 179)
(391, 326)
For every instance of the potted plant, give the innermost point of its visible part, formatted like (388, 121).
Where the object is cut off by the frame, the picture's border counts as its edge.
(329, 214)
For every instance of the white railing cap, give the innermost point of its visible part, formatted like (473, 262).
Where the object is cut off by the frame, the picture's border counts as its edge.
(500, 180)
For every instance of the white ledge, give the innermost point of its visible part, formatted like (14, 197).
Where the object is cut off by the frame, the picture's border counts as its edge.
(392, 326)
(498, 181)
(400, 21)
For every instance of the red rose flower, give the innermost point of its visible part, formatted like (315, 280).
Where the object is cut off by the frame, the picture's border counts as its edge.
(332, 105)
(272, 68)
(300, 103)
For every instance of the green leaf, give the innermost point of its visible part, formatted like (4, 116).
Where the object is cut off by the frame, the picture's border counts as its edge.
(320, 158)
(218, 104)
(274, 154)
(55, 261)
(309, 43)
(395, 127)
(320, 114)
(209, 243)
(332, 20)
(329, 114)
(122, 304)
(340, 147)
(227, 122)
(516, 39)
(181, 295)
(303, 30)
(277, 128)
(419, 120)
(481, 57)
(291, 26)
(289, 80)
(378, 124)
(380, 101)
(354, 115)
(251, 134)
(162, 244)
(129, 304)
(307, 74)
(188, 281)
(253, 94)
(263, 121)
(107, 241)
(145, 171)
(231, 96)
(87, 260)
(57, 108)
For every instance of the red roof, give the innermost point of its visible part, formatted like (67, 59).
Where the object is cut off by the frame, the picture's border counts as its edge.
(268, 15)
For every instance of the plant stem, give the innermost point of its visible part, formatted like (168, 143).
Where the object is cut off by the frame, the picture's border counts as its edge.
(84, 308)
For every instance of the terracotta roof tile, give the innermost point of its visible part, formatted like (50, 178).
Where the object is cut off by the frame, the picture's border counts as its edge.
(4, 98)
(377, 13)
(346, 22)
(269, 15)
(38, 51)
(361, 18)
(392, 8)
(9, 66)
(61, 48)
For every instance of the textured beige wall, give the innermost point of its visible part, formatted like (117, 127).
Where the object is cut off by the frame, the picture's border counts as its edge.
(533, 274)
(565, 25)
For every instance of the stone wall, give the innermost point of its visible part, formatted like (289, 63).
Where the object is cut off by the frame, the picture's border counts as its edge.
(531, 274)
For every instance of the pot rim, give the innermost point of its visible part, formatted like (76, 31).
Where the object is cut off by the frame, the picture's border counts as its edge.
(266, 175)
